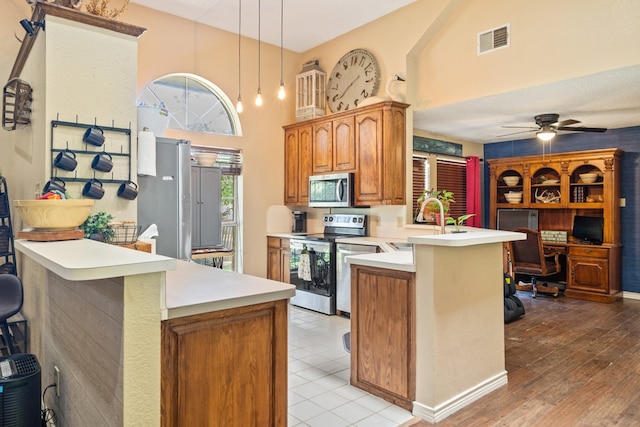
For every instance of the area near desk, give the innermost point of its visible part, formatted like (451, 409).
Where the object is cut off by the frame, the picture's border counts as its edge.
(557, 188)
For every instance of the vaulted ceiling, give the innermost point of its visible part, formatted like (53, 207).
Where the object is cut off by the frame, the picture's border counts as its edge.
(609, 99)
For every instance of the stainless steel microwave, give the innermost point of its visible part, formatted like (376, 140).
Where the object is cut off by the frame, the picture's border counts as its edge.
(331, 191)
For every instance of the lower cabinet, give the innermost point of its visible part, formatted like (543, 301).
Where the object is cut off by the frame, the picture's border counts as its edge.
(226, 368)
(278, 259)
(383, 349)
(593, 273)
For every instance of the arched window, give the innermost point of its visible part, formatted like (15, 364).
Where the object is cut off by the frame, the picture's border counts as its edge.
(193, 103)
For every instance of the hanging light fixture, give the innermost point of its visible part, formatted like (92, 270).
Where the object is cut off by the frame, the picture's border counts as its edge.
(239, 107)
(546, 134)
(281, 93)
(259, 96)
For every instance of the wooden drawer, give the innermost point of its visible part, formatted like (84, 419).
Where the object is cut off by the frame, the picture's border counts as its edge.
(589, 251)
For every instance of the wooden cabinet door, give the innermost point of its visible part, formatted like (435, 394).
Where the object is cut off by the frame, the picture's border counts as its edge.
(291, 166)
(297, 165)
(322, 148)
(226, 368)
(285, 270)
(344, 145)
(394, 154)
(274, 259)
(368, 177)
(305, 155)
(383, 333)
(588, 274)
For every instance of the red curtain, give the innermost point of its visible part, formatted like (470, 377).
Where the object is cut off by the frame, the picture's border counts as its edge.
(473, 191)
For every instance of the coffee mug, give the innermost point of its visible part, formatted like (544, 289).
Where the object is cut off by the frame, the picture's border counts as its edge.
(65, 160)
(93, 189)
(94, 136)
(56, 184)
(102, 162)
(128, 190)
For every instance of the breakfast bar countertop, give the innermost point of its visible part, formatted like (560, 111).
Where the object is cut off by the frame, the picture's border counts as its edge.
(193, 288)
(86, 259)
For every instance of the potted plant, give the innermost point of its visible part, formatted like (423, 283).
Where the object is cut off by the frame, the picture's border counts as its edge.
(432, 208)
(457, 222)
(97, 227)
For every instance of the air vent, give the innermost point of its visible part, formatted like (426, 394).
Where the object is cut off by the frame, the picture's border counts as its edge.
(493, 39)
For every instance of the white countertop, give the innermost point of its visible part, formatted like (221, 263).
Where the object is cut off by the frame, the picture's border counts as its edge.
(86, 259)
(193, 288)
(396, 260)
(473, 236)
(404, 260)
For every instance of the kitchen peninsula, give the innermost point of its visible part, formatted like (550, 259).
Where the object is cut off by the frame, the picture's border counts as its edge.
(434, 318)
(134, 334)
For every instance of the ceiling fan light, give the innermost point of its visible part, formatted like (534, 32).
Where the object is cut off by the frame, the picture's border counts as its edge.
(546, 134)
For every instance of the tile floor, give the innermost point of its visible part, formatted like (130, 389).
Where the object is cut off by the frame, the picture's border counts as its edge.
(319, 390)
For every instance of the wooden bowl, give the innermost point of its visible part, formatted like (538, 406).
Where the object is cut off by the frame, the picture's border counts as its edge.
(54, 215)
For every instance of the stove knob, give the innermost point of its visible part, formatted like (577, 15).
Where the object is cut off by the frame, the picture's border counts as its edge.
(330, 219)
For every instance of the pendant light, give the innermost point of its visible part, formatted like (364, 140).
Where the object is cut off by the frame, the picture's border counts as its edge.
(281, 93)
(259, 96)
(239, 107)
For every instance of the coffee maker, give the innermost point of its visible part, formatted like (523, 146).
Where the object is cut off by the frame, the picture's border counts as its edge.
(299, 223)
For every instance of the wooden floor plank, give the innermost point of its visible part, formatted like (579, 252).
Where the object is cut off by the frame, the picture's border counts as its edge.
(569, 363)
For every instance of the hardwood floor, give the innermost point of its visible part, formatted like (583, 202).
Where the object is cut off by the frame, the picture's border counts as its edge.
(570, 363)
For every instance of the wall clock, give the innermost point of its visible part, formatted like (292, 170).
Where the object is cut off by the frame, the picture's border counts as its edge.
(354, 78)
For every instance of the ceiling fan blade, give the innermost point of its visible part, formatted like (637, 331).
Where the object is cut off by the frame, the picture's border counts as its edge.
(520, 127)
(517, 133)
(567, 123)
(582, 129)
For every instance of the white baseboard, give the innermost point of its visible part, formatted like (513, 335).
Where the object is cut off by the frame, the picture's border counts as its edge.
(630, 295)
(442, 411)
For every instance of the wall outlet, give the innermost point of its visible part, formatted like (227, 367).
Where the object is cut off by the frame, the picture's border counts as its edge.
(623, 202)
(56, 379)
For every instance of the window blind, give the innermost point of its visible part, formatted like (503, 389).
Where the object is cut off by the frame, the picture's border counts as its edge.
(452, 177)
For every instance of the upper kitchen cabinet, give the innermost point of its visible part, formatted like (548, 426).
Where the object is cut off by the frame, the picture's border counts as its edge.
(297, 164)
(368, 141)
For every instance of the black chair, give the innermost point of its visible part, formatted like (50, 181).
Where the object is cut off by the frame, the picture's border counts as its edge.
(529, 258)
(11, 298)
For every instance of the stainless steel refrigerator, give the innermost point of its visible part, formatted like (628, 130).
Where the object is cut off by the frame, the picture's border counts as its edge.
(165, 199)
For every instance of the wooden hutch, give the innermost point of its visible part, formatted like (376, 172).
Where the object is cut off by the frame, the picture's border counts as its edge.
(551, 184)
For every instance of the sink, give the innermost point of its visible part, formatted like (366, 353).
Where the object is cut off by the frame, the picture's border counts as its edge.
(401, 246)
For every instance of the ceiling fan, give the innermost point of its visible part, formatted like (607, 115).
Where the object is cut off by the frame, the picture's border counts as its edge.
(548, 127)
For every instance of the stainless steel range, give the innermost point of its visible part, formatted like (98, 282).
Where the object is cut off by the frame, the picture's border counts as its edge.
(313, 261)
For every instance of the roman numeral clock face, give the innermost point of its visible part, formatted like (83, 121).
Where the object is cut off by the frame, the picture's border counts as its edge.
(354, 78)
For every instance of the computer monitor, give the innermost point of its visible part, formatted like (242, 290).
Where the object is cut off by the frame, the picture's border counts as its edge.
(588, 229)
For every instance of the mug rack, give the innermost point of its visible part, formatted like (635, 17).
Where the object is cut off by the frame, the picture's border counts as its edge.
(86, 155)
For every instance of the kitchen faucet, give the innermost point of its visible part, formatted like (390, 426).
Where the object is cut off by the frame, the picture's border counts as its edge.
(420, 217)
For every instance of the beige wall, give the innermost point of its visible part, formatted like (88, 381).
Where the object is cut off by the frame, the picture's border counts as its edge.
(550, 41)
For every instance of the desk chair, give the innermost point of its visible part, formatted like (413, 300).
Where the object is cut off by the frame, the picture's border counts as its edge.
(11, 298)
(528, 257)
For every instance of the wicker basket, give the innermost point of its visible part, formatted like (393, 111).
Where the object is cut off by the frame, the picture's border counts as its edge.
(125, 234)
